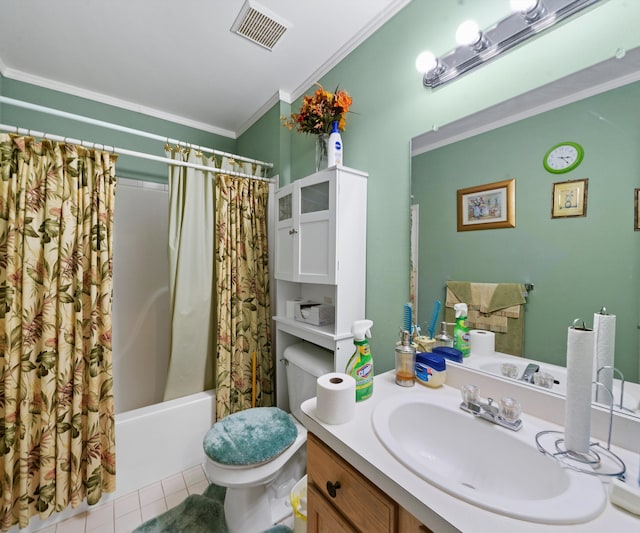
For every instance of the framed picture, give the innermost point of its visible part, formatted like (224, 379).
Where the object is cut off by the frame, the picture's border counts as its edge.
(569, 199)
(487, 206)
(636, 198)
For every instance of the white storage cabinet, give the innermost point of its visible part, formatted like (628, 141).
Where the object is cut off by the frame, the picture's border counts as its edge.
(320, 255)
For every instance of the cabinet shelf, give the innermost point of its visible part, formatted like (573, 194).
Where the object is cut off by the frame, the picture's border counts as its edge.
(327, 332)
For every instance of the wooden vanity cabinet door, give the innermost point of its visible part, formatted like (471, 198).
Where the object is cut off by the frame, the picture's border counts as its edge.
(407, 523)
(322, 517)
(364, 505)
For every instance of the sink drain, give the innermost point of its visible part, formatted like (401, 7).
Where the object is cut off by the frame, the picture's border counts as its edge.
(469, 485)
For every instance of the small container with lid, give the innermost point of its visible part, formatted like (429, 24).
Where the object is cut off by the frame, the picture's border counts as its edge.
(431, 369)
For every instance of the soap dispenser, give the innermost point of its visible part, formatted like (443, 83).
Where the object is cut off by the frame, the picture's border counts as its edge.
(405, 361)
(443, 338)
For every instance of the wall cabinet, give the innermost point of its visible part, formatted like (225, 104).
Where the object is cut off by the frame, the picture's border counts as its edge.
(320, 255)
(339, 498)
(306, 230)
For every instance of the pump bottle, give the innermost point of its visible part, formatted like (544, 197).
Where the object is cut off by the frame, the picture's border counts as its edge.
(360, 366)
(460, 330)
(334, 145)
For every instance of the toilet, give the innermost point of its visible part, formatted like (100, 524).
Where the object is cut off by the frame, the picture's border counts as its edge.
(257, 495)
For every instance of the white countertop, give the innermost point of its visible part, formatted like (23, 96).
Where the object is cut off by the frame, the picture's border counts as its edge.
(357, 443)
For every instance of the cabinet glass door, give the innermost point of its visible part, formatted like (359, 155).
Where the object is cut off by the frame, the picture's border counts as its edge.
(314, 198)
(285, 207)
(285, 236)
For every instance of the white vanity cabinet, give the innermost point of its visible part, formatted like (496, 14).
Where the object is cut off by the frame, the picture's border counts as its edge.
(320, 255)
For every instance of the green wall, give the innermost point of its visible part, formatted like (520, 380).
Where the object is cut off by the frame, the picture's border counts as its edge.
(390, 106)
(577, 264)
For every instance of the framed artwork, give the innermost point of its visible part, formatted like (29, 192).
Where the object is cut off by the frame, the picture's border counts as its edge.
(487, 206)
(636, 198)
(569, 199)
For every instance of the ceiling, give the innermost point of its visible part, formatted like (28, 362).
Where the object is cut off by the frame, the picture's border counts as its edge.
(179, 60)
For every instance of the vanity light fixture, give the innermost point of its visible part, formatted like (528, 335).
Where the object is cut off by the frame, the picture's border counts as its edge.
(476, 47)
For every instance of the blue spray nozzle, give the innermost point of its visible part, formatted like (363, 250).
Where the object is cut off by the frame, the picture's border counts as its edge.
(334, 127)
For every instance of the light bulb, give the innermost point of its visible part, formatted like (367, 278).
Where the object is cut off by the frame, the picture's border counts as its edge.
(425, 62)
(468, 33)
(523, 5)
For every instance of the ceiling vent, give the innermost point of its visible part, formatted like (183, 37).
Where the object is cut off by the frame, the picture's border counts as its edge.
(257, 24)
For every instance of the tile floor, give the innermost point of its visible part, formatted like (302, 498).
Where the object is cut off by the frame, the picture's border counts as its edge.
(126, 513)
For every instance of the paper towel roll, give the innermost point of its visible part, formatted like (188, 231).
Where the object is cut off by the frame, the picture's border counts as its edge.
(604, 329)
(482, 342)
(336, 398)
(577, 415)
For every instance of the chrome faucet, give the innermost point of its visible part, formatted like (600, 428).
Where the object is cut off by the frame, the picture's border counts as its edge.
(507, 415)
(528, 373)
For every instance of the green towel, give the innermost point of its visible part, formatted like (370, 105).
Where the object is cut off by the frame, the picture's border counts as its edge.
(506, 295)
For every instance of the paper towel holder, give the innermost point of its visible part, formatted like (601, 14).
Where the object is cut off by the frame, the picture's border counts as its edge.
(576, 322)
(614, 468)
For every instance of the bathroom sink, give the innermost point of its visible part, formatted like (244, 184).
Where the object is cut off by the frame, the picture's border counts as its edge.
(484, 464)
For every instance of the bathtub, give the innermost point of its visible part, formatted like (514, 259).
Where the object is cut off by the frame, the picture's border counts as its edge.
(159, 440)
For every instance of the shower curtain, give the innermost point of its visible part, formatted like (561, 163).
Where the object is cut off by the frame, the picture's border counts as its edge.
(219, 284)
(57, 442)
(244, 372)
(192, 299)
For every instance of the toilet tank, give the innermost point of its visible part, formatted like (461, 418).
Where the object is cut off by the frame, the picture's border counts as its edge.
(306, 362)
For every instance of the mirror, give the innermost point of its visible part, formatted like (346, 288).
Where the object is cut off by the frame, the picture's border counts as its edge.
(577, 264)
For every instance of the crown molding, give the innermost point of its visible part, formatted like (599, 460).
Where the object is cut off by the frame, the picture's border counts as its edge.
(53, 85)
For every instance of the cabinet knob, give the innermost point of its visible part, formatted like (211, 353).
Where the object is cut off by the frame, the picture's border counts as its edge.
(332, 488)
(293, 231)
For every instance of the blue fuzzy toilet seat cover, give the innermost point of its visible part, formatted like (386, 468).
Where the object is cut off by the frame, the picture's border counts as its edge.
(250, 437)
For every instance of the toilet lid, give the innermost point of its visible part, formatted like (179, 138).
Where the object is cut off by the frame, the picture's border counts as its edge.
(250, 437)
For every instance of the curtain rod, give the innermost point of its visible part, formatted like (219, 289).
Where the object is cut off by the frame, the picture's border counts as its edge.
(125, 151)
(124, 129)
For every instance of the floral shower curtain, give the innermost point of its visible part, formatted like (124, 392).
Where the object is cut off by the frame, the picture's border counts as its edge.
(242, 279)
(57, 443)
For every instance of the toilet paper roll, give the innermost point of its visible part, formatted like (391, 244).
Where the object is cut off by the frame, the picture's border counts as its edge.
(336, 398)
(604, 329)
(577, 416)
(482, 342)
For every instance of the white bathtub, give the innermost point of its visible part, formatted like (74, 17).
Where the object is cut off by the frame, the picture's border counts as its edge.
(157, 441)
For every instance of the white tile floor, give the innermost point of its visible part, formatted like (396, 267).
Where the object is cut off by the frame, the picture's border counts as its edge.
(128, 512)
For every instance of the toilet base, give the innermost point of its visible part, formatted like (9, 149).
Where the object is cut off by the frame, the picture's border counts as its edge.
(254, 509)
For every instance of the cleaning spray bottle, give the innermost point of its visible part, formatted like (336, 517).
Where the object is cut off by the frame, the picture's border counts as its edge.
(360, 366)
(460, 330)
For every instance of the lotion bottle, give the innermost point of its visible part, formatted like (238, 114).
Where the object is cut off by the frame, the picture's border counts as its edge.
(334, 147)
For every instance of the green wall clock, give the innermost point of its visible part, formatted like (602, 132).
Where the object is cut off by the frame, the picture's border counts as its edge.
(563, 157)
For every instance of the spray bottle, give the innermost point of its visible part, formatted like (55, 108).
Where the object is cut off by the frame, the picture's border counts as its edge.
(360, 366)
(460, 330)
